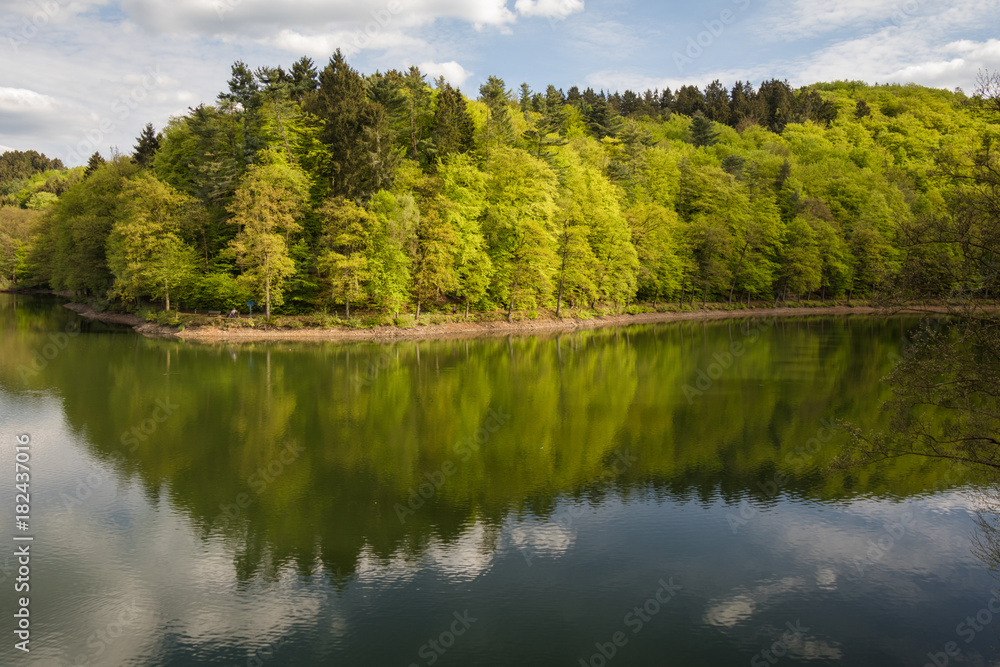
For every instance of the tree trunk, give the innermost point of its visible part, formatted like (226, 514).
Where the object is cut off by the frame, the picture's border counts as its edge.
(166, 294)
(562, 280)
(267, 287)
(737, 274)
(413, 132)
(466, 308)
(277, 114)
(417, 315)
(487, 139)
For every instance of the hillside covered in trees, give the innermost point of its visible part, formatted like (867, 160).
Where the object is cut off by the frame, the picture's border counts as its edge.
(309, 190)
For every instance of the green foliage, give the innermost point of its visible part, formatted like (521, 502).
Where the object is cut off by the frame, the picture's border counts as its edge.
(356, 131)
(378, 192)
(22, 165)
(453, 127)
(343, 261)
(146, 146)
(70, 251)
(702, 132)
(517, 223)
(18, 227)
(266, 209)
(145, 253)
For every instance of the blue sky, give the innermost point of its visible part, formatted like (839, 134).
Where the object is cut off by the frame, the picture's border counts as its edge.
(85, 75)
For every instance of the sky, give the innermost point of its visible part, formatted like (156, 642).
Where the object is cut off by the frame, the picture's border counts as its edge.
(78, 76)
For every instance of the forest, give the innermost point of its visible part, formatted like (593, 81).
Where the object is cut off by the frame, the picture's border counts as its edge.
(313, 190)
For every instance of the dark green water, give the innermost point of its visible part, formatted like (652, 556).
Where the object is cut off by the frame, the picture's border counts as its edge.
(654, 495)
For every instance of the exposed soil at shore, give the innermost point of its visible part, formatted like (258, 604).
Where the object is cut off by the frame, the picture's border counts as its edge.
(466, 329)
(137, 323)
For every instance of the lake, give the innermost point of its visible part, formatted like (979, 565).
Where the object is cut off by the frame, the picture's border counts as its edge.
(651, 495)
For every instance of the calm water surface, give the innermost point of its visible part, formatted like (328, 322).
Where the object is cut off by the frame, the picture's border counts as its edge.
(654, 495)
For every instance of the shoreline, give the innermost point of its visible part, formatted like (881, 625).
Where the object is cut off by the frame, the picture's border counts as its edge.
(473, 328)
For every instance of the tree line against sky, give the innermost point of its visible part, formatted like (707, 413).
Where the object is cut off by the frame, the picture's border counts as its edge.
(307, 189)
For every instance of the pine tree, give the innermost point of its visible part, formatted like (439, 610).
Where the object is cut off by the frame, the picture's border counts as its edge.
(304, 78)
(244, 101)
(147, 143)
(524, 101)
(453, 127)
(703, 133)
(94, 163)
(355, 130)
(717, 102)
(418, 97)
(498, 127)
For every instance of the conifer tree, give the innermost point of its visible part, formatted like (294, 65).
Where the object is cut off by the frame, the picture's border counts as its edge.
(703, 133)
(146, 146)
(498, 127)
(453, 128)
(94, 163)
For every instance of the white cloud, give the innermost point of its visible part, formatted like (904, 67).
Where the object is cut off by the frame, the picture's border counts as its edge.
(452, 72)
(321, 46)
(263, 17)
(621, 80)
(804, 18)
(22, 99)
(801, 19)
(23, 112)
(41, 14)
(6, 149)
(556, 9)
(910, 58)
(927, 45)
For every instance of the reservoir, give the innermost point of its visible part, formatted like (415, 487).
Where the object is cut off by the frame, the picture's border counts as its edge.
(649, 495)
